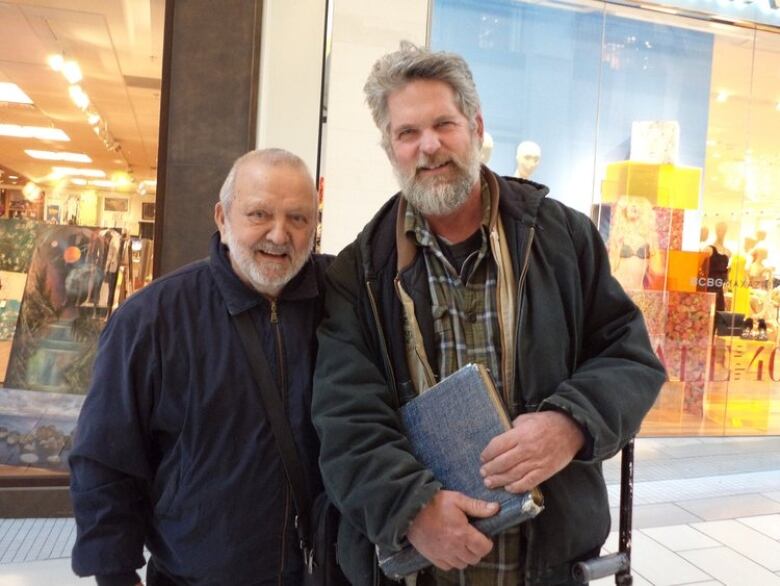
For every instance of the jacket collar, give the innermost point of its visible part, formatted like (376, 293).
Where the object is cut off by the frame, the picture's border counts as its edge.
(239, 297)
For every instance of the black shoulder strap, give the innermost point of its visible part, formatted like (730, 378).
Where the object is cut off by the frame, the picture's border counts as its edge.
(280, 426)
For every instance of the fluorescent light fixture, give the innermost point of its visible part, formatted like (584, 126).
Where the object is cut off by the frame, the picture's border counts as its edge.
(56, 156)
(102, 183)
(72, 71)
(93, 118)
(79, 172)
(10, 92)
(55, 61)
(77, 181)
(79, 96)
(39, 132)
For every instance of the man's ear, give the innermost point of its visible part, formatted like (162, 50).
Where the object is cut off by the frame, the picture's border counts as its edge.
(480, 126)
(219, 217)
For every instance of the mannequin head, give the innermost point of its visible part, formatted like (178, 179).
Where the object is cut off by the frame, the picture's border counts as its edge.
(759, 254)
(704, 233)
(720, 231)
(487, 148)
(750, 244)
(760, 235)
(528, 156)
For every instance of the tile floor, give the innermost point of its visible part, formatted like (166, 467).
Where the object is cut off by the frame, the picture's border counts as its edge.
(707, 512)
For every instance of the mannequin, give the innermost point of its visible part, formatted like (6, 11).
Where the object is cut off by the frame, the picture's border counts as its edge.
(633, 242)
(717, 258)
(487, 148)
(759, 273)
(527, 156)
(739, 283)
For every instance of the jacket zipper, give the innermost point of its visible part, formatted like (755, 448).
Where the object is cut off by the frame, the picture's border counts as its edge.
(383, 343)
(282, 382)
(521, 307)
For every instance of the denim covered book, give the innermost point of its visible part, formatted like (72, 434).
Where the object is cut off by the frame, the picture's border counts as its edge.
(448, 426)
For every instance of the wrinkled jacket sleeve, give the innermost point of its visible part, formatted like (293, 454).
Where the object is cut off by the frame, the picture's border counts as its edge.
(366, 463)
(618, 376)
(110, 460)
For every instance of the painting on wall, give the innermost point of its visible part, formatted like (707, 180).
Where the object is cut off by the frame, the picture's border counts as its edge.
(116, 204)
(59, 321)
(147, 211)
(52, 213)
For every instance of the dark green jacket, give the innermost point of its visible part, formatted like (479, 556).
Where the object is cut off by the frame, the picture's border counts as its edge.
(582, 347)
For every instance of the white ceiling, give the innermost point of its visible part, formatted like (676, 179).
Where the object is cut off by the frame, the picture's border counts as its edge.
(118, 44)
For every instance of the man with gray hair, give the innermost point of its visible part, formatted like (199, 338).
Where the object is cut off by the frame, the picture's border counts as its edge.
(173, 449)
(464, 266)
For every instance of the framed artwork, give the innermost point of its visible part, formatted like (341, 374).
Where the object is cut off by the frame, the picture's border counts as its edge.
(116, 204)
(147, 211)
(52, 214)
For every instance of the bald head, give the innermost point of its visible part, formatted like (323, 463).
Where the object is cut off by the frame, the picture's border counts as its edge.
(262, 159)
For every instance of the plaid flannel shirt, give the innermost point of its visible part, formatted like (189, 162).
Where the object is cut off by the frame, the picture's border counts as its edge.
(466, 325)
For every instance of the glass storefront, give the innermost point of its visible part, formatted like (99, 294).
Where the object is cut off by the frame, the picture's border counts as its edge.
(662, 126)
(78, 156)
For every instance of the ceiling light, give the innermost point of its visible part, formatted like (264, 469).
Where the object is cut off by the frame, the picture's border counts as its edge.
(71, 71)
(57, 156)
(79, 97)
(121, 179)
(722, 96)
(10, 92)
(102, 183)
(79, 172)
(31, 191)
(77, 181)
(93, 118)
(39, 132)
(55, 61)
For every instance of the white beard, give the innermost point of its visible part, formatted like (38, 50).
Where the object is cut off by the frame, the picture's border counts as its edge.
(266, 278)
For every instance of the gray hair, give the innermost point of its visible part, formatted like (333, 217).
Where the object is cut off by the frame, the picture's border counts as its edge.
(409, 63)
(272, 157)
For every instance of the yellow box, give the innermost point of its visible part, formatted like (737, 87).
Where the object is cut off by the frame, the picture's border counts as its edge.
(683, 270)
(667, 186)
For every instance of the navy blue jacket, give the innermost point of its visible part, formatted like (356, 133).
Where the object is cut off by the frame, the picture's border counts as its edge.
(173, 449)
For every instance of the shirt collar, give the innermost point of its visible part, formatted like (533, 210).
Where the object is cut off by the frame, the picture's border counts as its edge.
(239, 297)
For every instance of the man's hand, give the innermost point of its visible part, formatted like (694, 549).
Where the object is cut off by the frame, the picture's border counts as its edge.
(538, 446)
(442, 534)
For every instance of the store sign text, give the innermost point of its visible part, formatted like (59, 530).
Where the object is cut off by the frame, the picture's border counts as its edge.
(764, 362)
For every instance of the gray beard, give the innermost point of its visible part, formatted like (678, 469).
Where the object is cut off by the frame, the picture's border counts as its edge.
(253, 271)
(438, 197)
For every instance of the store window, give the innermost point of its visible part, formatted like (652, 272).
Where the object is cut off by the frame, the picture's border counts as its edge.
(663, 128)
(79, 103)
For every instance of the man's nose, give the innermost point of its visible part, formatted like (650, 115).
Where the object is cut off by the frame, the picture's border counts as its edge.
(278, 232)
(429, 142)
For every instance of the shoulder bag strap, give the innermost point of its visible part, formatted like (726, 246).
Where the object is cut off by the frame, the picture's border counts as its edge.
(280, 426)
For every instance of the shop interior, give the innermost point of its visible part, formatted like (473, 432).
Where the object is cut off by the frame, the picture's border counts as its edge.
(80, 86)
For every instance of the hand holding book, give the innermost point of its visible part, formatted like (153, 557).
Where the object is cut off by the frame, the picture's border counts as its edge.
(538, 446)
(449, 426)
(441, 532)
